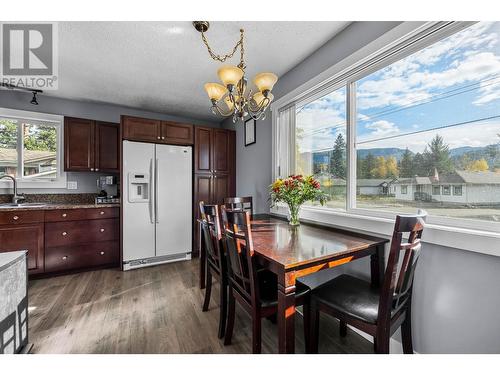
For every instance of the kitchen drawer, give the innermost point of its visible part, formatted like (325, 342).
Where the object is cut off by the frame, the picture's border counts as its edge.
(81, 256)
(80, 232)
(21, 217)
(81, 214)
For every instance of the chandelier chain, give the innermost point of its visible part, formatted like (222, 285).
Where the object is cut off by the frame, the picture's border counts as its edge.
(229, 55)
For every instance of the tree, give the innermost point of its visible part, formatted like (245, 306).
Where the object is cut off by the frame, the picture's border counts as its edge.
(338, 158)
(391, 166)
(419, 166)
(478, 166)
(380, 170)
(8, 134)
(41, 138)
(437, 156)
(369, 165)
(406, 165)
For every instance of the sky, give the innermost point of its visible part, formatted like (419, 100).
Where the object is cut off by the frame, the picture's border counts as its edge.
(453, 81)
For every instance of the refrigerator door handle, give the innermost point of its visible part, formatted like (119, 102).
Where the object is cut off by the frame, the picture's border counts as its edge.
(152, 202)
(157, 172)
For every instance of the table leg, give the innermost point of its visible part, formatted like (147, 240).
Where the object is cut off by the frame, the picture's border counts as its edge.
(377, 264)
(203, 256)
(286, 319)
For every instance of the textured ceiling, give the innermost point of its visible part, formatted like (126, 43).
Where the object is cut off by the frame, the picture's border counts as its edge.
(162, 66)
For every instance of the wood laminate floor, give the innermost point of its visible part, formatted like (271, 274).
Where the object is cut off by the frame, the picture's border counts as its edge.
(150, 310)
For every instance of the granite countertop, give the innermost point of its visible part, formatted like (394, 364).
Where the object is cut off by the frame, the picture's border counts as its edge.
(59, 206)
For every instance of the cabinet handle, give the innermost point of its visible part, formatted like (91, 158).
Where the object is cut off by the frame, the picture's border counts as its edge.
(215, 170)
(97, 169)
(65, 258)
(162, 137)
(64, 215)
(91, 169)
(102, 253)
(102, 212)
(16, 217)
(159, 137)
(102, 230)
(64, 233)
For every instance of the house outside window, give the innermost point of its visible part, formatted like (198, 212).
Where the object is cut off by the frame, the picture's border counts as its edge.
(457, 190)
(30, 149)
(404, 189)
(436, 190)
(446, 190)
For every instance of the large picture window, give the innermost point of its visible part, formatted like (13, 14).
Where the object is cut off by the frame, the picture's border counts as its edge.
(425, 132)
(30, 147)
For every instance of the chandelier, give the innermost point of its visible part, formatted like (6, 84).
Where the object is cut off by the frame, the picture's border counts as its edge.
(233, 97)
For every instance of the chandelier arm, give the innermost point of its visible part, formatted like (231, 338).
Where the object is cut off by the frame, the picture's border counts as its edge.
(220, 111)
(229, 55)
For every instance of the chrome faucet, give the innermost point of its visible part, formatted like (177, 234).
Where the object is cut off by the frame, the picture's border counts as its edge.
(16, 197)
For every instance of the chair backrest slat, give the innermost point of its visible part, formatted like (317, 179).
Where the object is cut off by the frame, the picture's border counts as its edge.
(239, 203)
(239, 251)
(398, 279)
(211, 231)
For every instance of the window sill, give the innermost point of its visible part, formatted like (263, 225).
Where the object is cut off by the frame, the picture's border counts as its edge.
(483, 242)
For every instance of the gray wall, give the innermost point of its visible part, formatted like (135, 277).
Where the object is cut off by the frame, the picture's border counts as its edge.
(253, 163)
(74, 108)
(456, 299)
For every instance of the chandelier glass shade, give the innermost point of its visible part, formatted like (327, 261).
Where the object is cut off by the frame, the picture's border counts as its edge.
(234, 97)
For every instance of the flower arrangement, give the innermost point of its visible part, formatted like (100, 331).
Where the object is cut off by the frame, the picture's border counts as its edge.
(295, 190)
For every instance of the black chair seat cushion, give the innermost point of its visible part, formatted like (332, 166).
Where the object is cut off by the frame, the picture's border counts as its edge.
(268, 288)
(351, 296)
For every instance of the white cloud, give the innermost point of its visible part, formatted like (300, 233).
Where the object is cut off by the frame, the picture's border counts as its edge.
(382, 128)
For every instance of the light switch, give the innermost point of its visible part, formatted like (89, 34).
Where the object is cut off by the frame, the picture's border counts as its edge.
(72, 185)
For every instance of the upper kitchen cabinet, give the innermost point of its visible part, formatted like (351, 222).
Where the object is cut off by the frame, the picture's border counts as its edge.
(78, 144)
(176, 133)
(91, 145)
(107, 147)
(141, 129)
(214, 150)
(156, 131)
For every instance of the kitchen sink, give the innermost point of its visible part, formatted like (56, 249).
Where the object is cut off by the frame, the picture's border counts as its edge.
(21, 205)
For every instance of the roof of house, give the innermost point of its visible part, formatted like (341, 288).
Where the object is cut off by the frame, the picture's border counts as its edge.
(9, 155)
(457, 177)
(371, 182)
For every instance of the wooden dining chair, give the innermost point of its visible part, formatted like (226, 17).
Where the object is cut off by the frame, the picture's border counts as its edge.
(255, 289)
(376, 310)
(239, 203)
(216, 264)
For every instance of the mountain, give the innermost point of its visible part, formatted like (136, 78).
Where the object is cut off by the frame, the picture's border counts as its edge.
(385, 152)
(459, 151)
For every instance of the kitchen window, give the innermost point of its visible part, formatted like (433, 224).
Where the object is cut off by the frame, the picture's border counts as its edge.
(30, 149)
(386, 137)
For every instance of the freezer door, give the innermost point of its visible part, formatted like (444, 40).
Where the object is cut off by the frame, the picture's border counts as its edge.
(173, 200)
(138, 206)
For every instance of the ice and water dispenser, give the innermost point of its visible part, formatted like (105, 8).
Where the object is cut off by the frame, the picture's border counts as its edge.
(138, 187)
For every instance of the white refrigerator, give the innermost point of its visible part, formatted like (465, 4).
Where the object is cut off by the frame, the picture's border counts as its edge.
(157, 204)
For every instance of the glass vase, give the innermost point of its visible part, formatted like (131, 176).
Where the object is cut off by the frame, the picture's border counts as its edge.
(293, 215)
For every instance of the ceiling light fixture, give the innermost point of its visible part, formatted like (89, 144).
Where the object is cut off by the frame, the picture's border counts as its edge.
(234, 92)
(33, 101)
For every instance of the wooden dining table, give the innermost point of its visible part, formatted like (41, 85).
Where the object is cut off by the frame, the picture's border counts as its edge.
(294, 252)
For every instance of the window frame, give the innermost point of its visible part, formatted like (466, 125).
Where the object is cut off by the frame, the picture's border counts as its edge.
(395, 45)
(31, 183)
(456, 188)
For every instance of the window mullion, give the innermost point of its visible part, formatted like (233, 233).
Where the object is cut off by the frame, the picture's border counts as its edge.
(351, 146)
(20, 151)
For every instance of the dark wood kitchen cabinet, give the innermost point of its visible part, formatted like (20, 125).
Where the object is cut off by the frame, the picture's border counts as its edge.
(214, 166)
(156, 131)
(91, 145)
(29, 237)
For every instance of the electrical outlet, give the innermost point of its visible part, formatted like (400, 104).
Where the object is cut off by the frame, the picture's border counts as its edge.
(72, 185)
